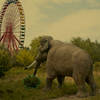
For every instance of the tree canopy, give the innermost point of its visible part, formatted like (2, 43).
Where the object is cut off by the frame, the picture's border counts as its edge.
(93, 48)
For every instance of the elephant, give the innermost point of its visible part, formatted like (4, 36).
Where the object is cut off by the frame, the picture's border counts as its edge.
(65, 59)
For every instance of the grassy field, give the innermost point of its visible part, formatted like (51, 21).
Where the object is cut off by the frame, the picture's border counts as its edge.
(12, 87)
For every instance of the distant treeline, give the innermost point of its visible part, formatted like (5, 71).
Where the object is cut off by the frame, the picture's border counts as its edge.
(93, 48)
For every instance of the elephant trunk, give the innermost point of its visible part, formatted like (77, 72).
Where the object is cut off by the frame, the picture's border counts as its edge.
(36, 65)
(35, 71)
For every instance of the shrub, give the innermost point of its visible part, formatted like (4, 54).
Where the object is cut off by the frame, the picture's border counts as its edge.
(23, 58)
(5, 61)
(31, 81)
(34, 46)
(97, 66)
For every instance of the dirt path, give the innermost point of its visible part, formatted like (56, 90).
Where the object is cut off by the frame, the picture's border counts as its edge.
(66, 98)
(69, 98)
(73, 97)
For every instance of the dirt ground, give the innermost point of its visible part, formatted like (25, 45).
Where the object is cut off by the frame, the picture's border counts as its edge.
(73, 97)
(68, 98)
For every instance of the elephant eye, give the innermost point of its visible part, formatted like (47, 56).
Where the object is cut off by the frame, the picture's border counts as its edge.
(44, 40)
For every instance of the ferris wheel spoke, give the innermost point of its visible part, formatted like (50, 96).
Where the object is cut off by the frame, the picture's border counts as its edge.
(17, 20)
(16, 47)
(2, 37)
(17, 28)
(18, 25)
(10, 37)
(17, 40)
(10, 49)
(9, 18)
(16, 14)
(16, 10)
(8, 15)
(13, 44)
(9, 42)
(10, 11)
(6, 22)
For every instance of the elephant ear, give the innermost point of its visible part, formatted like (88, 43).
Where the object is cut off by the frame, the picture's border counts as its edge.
(49, 41)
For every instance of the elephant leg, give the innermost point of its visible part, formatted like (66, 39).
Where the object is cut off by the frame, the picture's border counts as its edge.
(51, 75)
(80, 82)
(49, 83)
(90, 81)
(60, 79)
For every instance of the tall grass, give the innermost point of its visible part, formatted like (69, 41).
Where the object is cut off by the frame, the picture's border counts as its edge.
(12, 87)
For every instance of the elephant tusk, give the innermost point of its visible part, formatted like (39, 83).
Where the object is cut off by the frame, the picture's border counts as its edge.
(30, 65)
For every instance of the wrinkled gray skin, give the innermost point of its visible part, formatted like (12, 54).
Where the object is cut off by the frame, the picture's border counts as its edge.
(66, 60)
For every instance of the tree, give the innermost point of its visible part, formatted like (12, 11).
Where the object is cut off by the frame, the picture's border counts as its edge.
(5, 61)
(34, 46)
(93, 48)
(23, 58)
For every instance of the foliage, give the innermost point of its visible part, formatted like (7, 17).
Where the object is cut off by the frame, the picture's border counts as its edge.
(34, 46)
(93, 48)
(97, 66)
(5, 61)
(31, 81)
(23, 58)
(34, 50)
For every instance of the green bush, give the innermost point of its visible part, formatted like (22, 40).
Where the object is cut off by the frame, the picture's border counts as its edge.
(23, 58)
(31, 81)
(97, 66)
(34, 46)
(1, 71)
(5, 61)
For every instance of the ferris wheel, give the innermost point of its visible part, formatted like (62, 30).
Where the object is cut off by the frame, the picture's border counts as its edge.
(12, 25)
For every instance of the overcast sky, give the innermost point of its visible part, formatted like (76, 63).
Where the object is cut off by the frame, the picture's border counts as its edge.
(62, 19)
